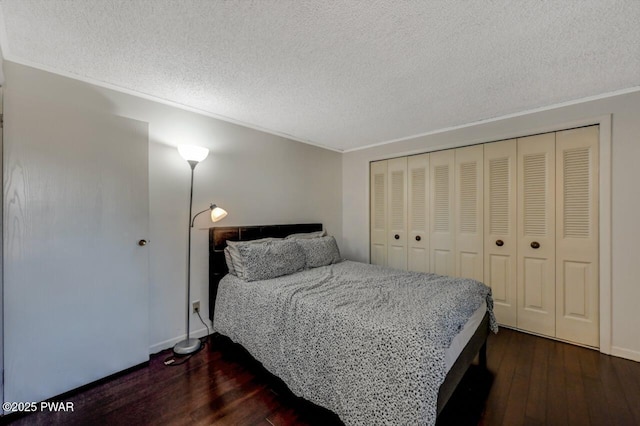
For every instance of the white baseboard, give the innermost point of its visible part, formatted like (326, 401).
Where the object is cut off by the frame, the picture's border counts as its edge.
(625, 353)
(201, 332)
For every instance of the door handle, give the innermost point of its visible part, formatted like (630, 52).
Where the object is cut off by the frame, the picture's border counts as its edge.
(397, 237)
(142, 242)
(418, 238)
(535, 245)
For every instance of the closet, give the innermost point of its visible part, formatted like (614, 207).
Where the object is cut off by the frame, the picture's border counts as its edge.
(520, 215)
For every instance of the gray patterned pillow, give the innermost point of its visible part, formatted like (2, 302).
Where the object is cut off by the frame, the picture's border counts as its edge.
(320, 251)
(271, 259)
(234, 254)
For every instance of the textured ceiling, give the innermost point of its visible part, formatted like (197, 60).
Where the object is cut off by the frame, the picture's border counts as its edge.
(340, 74)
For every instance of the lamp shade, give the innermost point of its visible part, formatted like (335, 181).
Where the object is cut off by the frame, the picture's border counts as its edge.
(193, 152)
(217, 213)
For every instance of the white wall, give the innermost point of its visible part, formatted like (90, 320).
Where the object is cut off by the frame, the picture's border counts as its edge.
(257, 177)
(625, 110)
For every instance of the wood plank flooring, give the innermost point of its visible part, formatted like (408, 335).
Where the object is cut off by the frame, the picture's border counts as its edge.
(528, 381)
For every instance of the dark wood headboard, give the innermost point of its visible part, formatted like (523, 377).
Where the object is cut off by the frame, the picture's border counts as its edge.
(219, 235)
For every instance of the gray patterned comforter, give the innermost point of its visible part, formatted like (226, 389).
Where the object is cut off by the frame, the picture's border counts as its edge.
(363, 341)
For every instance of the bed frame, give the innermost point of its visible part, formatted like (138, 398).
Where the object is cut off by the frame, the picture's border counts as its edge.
(218, 237)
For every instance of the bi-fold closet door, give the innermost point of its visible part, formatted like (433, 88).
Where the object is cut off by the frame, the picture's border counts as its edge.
(469, 212)
(500, 221)
(456, 230)
(519, 238)
(541, 233)
(520, 215)
(426, 212)
(378, 212)
(577, 243)
(442, 227)
(388, 213)
(418, 213)
(536, 245)
(397, 213)
(400, 213)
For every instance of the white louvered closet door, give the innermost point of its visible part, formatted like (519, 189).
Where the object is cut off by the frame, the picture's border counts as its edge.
(469, 201)
(397, 213)
(536, 234)
(378, 212)
(418, 213)
(577, 284)
(500, 228)
(442, 223)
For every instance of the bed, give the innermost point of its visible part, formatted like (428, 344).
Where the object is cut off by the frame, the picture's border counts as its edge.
(337, 335)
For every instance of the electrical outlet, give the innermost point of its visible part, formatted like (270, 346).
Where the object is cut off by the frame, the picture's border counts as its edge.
(196, 306)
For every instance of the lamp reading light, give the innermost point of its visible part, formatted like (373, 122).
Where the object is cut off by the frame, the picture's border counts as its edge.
(217, 213)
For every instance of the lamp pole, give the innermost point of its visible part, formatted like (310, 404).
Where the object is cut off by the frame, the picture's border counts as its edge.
(189, 345)
(193, 165)
(194, 155)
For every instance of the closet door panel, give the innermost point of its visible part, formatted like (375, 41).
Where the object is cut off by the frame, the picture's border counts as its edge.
(577, 284)
(397, 213)
(536, 234)
(500, 228)
(378, 212)
(418, 213)
(469, 260)
(442, 223)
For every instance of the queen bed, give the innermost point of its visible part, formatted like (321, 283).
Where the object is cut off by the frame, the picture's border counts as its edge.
(372, 344)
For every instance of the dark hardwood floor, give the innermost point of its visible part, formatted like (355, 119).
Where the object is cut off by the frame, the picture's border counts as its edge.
(529, 381)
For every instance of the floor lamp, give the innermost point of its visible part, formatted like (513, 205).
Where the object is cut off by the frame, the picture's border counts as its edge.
(194, 155)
